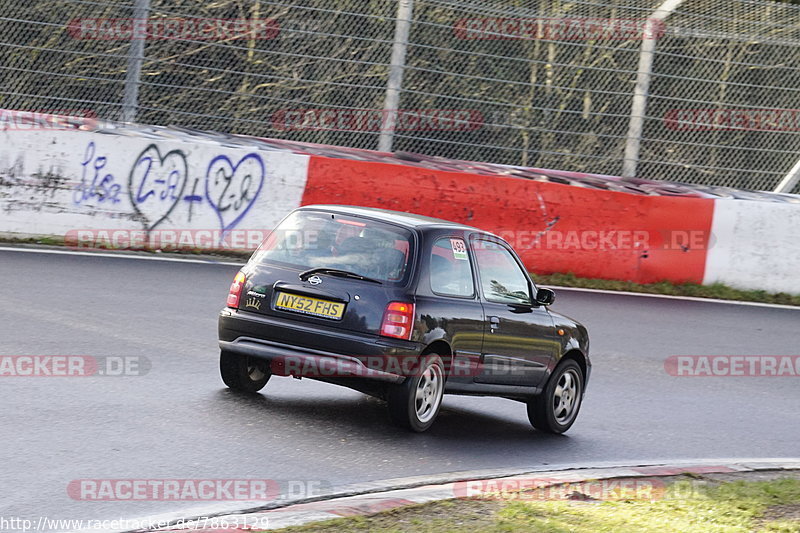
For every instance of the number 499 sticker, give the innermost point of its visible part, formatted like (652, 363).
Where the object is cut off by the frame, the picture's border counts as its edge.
(459, 249)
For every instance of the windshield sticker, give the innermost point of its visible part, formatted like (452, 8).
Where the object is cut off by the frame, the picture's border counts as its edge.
(459, 249)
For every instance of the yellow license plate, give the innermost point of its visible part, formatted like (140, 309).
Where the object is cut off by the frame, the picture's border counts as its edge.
(309, 306)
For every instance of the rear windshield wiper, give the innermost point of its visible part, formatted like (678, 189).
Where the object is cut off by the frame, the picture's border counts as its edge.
(338, 273)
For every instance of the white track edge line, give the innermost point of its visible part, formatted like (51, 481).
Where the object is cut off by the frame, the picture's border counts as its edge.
(559, 287)
(674, 297)
(121, 256)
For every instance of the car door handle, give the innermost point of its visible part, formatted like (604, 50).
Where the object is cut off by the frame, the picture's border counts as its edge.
(494, 322)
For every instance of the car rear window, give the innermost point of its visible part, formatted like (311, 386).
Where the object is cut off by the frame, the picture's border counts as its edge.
(313, 239)
(451, 273)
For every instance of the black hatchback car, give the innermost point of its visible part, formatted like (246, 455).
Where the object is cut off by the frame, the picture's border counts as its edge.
(405, 308)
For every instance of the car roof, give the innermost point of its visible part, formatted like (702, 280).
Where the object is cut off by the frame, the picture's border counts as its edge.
(410, 220)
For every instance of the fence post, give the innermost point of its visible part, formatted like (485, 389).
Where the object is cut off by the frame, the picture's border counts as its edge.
(641, 90)
(130, 101)
(790, 180)
(394, 84)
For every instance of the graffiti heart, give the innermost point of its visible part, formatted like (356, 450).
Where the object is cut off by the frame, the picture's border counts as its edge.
(232, 189)
(156, 183)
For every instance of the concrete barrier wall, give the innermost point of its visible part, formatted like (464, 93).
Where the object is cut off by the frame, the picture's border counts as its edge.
(555, 228)
(756, 245)
(63, 182)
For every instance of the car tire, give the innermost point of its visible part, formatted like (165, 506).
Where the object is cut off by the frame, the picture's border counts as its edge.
(415, 403)
(556, 408)
(243, 373)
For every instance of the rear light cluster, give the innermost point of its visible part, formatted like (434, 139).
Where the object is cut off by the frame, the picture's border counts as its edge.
(235, 292)
(398, 320)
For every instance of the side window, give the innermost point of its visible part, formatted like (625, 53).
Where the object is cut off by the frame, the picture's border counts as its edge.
(451, 272)
(502, 279)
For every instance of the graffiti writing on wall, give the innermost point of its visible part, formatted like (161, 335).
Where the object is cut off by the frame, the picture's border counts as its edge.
(231, 189)
(159, 182)
(96, 184)
(156, 184)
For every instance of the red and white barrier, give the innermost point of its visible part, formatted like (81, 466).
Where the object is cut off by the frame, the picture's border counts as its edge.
(176, 185)
(755, 246)
(555, 228)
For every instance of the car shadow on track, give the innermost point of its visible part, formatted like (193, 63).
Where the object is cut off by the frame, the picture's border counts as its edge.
(367, 415)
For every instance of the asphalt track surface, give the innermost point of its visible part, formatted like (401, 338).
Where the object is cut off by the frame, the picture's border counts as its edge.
(179, 422)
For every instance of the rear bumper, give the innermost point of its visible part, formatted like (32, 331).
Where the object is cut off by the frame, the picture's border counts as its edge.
(304, 350)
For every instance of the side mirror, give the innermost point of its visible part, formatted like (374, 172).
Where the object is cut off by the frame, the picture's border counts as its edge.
(545, 296)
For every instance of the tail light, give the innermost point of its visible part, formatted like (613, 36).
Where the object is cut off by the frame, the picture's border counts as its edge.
(235, 291)
(398, 320)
